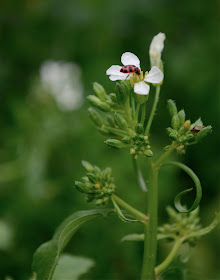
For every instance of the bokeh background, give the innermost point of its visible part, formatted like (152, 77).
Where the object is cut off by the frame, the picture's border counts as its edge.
(50, 54)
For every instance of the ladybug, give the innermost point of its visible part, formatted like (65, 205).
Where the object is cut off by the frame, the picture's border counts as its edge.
(130, 69)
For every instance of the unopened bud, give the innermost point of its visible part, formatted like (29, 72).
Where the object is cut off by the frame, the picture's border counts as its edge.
(182, 116)
(148, 153)
(92, 177)
(132, 151)
(95, 117)
(111, 120)
(113, 97)
(114, 143)
(172, 107)
(175, 122)
(122, 91)
(120, 121)
(93, 100)
(88, 167)
(99, 91)
(187, 124)
(80, 186)
(139, 128)
(103, 106)
(203, 133)
(126, 139)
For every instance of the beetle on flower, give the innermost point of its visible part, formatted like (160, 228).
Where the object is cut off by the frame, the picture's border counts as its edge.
(138, 81)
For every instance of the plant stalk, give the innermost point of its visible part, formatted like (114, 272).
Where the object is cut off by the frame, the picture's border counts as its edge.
(158, 163)
(162, 267)
(153, 110)
(150, 241)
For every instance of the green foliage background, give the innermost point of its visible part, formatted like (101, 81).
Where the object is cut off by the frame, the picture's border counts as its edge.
(41, 147)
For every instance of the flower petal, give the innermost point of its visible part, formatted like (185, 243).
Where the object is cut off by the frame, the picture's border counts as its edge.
(155, 76)
(117, 78)
(114, 70)
(141, 88)
(129, 58)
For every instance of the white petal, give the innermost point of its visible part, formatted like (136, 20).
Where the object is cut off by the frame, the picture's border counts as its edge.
(141, 88)
(155, 76)
(117, 78)
(157, 44)
(114, 70)
(129, 58)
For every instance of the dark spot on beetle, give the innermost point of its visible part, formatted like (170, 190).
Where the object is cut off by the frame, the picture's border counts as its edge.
(130, 69)
(125, 71)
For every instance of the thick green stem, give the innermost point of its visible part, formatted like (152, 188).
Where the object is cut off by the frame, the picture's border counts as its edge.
(150, 242)
(158, 163)
(153, 110)
(139, 215)
(143, 113)
(163, 266)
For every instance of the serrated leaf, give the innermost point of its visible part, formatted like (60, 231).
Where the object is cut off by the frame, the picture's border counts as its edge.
(72, 267)
(47, 255)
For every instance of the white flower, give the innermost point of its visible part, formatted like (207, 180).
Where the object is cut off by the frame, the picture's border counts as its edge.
(156, 48)
(155, 76)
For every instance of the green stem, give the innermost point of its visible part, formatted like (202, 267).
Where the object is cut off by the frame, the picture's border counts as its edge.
(162, 267)
(150, 242)
(139, 215)
(153, 110)
(158, 163)
(143, 113)
(137, 111)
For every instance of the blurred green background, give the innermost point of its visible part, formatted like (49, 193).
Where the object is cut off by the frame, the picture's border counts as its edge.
(44, 137)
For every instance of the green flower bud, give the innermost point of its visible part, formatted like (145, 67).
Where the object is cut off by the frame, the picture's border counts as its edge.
(190, 137)
(126, 140)
(139, 128)
(172, 107)
(111, 120)
(120, 121)
(122, 91)
(175, 122)
(181, 116)
(92, 177)
(80, 186)
(99, 91)
(203, 133)
(88, 167)
(187, 124)
(103, 106)
(113, 97)
(95, 117)
(148, 153)
(93, 100)
(114, 143)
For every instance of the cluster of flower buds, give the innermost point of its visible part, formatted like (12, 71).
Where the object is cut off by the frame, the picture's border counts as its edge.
(182, 131)
(181, 225)
(97, 184)
(186, 226)
(124, 130)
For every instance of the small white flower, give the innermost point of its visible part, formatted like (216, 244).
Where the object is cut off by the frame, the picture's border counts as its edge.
(155, 76)
(156, 48)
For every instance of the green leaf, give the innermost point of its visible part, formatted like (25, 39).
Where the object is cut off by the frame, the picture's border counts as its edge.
(139, 175)
(47, 255)
(177, 200)
(120, 213)
(72, 267)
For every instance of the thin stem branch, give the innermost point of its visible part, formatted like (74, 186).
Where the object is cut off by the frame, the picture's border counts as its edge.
(158, 163)
(162, 267)
(153, 110)
(143, 113)
(139, 215)
(150, 242)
